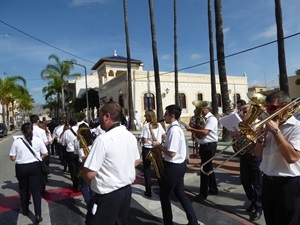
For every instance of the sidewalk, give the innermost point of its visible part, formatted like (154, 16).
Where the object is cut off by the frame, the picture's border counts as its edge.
(228, 207)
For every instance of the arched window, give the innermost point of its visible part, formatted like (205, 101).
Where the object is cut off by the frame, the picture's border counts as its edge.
(200, 96)
(219, 100)
(121, 100)
(149, 101)
(237, 97)
(182, 102)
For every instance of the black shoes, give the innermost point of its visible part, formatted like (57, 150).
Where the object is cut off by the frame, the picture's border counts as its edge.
(251, 208)
(38, 219)
(210, 192)
(148, 194)
(201, 197)
(255, 216)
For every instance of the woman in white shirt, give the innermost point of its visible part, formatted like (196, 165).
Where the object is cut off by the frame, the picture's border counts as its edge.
(28, 168)
(84, 140)
(159, 134)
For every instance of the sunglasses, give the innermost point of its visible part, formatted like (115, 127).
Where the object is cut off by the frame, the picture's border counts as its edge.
(274, 107)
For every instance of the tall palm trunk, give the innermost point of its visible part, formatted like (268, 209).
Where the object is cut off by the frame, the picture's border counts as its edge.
(129, 83)
(283, 80)
(175, 54)
(221, 65)
(215, 110)
(155, 64)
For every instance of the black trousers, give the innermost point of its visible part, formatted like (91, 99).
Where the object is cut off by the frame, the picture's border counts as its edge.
(206, 152)
(29, 177)
(172, 181)
(251, 179)
(147, 169)
(73, 164)
(109, 209)
(281, 200)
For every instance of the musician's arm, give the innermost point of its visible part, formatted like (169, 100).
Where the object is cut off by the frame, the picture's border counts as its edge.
(202, 132)
(88, 174)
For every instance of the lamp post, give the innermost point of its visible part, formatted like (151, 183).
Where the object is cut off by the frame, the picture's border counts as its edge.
(86, 89)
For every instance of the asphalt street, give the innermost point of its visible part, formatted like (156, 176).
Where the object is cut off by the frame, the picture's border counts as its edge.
(60, 205)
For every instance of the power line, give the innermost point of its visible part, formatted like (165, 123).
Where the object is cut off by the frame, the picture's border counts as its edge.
(185, 68)
(50, 45)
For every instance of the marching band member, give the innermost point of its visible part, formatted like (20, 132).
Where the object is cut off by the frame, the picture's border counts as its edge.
(279, 150)
(152, 127)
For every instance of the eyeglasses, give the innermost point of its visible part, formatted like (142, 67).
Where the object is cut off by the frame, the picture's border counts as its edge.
(274, 107)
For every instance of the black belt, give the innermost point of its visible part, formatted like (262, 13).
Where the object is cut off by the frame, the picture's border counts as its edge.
(279, 178)
(209, 143)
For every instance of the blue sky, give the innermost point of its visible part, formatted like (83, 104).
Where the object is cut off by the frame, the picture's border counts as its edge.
(92, 29)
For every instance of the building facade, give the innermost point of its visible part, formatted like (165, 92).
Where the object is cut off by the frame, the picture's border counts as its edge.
(112, 85)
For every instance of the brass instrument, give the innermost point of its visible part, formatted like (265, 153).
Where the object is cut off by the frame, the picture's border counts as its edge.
(256, 109)
(199, 121)
(83, 145)
(156, 157)
(250, 131)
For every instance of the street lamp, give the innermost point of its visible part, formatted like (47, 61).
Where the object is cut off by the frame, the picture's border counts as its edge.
(86, 88)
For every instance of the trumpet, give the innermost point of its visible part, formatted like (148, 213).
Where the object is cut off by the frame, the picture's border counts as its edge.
(250, 132)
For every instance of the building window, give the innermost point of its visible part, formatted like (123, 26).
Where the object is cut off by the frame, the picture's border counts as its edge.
(200, 96)
(149, 101)
(219, 100)
(237, 97)
(121, 100)
(182, 102)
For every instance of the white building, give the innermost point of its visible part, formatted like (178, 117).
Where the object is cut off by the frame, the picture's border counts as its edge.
(112, 84)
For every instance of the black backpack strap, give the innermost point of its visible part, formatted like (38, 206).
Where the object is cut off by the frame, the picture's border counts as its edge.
(30, 149)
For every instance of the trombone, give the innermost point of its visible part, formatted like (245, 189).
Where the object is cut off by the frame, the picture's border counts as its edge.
(249, 131)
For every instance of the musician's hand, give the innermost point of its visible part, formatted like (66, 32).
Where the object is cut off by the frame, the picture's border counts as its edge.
(155, 144)
(272, 124)
(188, 128)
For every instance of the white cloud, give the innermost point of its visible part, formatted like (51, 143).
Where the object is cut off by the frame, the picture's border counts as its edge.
(85, 2)
(195, 56)
(268, 33)
(226, 30)
(166, 57)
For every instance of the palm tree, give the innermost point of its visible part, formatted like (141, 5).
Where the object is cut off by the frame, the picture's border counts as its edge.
(155, 63)
(10, 91)
(129, 83)
(53, 88)
(221, 64)
(175, 55)
(215, 109)
(59, 72)
(283, 80)
(297, 72)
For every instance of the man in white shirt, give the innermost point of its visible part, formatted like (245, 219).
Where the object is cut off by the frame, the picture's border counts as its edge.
(68, 140)
(207, 149)
(111, 168)
(175, 167)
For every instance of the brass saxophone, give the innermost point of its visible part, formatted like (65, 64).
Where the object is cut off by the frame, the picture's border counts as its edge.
(156, 157)
(83, 145)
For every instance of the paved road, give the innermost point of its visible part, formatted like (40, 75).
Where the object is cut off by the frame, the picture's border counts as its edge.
(62, 206)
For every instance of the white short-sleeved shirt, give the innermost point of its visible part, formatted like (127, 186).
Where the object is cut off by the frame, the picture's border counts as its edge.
(212, 125)
(273, 163)
(39, 132)
(98, 130)
(58, 131)
(68, 138)
(78, 150)
(113, 155)
(158, 133)
(175, 142)
(23, 154)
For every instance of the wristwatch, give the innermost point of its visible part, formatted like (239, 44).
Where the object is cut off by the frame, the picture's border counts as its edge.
(275, 131)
